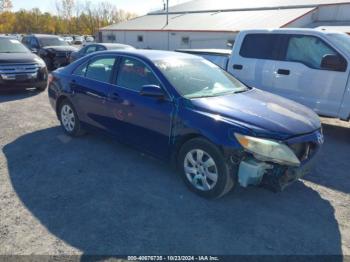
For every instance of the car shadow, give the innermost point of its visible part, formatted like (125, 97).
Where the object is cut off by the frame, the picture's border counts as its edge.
(105, 198)
(7, 96)
(332, 166)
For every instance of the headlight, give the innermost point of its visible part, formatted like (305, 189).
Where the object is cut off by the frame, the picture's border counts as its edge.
(40, 62)
(268, 150)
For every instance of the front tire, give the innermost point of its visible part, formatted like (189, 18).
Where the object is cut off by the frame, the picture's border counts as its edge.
(69, 119)
(204, 169)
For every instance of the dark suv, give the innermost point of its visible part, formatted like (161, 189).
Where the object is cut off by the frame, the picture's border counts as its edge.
(19, 68)
(51, 48)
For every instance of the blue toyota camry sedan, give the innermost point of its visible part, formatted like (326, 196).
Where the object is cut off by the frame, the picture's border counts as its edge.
(185, 109)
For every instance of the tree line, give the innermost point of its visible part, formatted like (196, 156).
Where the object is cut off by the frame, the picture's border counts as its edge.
(72, 17)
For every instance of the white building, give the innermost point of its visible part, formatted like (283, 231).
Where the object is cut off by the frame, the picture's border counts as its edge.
(214, 23)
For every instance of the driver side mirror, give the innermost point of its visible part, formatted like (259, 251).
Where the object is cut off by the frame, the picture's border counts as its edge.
(152, 91)
(334, 63)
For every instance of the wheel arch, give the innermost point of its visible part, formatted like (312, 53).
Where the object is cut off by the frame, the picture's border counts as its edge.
(60, 99)
(184, 139)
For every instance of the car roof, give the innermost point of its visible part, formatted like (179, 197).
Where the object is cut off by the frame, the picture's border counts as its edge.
(206, 51)
(111, 46)
(43, 35)
(152, 55)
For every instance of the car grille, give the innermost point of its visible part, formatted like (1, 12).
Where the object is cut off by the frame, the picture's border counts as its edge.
(10, 71)
(303, 150)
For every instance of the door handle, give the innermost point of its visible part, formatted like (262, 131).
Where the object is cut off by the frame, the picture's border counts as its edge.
(237, 67)
(283, 72)
(114, 96)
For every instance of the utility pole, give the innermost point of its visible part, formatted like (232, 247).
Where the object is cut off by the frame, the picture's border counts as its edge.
(167, 12)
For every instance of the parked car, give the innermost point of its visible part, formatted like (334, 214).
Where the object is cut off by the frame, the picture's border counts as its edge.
(68, 39)
(89, 39)
(20, 68)
(78, 40)
(306, 65)
(183, 108)
(219, 57)
(52, 49)
(90, 48)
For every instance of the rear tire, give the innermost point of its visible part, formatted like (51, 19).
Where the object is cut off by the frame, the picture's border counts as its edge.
(69, 119)
(204, 169)
(41, 88)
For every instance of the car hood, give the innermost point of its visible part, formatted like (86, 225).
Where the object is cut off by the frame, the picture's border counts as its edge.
(263, 112)
(61, 48)
(17, 58)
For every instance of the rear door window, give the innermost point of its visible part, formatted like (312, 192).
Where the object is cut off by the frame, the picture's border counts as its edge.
(90, 49)
(100, 48)
(261, 46)
(101, 69)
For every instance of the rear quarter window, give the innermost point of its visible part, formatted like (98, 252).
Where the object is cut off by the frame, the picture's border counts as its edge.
(81, 70)
(260, 46)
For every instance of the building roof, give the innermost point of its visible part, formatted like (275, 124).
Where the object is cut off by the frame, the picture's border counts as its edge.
(233, 21)
(222, 5)
(336, 26)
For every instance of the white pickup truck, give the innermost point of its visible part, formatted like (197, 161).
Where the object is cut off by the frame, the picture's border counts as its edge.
(306, 65)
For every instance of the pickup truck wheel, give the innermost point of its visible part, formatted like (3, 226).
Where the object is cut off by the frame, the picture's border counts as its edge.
(203, 169)
(69, 119)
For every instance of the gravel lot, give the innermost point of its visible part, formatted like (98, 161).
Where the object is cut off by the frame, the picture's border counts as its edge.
(93, 195)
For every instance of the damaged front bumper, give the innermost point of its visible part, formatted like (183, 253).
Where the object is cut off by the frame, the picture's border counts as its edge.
(276, 177)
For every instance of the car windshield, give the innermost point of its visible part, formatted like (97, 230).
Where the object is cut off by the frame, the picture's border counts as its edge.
(52, 41)
(219, 60)
(342, 40)
(197, 77)
(12, 46)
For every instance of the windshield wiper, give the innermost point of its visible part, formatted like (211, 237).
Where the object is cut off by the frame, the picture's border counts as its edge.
(241, 91)
(219, 94)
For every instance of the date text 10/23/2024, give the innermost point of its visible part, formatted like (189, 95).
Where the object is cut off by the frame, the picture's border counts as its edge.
(173, 258)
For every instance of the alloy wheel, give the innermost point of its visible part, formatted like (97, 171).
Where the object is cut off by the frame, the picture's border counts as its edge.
(201, 170)
(68, 118)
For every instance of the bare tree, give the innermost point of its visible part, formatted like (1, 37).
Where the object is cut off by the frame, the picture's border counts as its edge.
(5, 5)
(65, 8)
